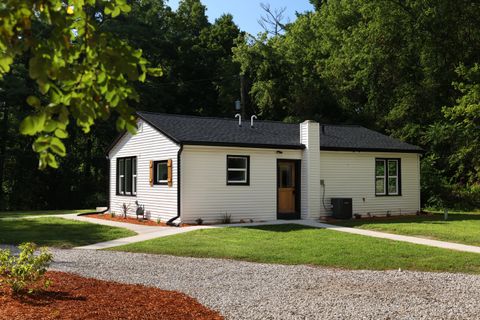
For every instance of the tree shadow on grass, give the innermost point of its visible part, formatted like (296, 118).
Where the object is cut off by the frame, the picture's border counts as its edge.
(280, 227)
(56, 232)
(427, 219)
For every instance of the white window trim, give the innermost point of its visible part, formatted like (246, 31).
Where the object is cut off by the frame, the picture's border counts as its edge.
(391, 177)
(245, 170)
(123, 178)
(157, 178)
(385, 185)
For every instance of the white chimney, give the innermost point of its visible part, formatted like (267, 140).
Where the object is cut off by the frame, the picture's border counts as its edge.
(311, 197)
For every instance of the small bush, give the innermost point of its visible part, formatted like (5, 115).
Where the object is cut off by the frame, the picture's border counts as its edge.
(125, 210)
(227, 218)
(112, 214)
(199, 221)
(23, 272)
(159, 220)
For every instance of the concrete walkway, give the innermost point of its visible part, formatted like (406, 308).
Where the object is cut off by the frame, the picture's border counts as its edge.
(390, 236)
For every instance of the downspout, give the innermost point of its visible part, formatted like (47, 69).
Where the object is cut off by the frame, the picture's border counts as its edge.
(108, 194)
(171, 221)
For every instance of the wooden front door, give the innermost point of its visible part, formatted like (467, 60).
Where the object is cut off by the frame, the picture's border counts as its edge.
(287, 183)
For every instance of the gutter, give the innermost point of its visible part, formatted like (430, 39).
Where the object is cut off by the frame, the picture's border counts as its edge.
(171, 221)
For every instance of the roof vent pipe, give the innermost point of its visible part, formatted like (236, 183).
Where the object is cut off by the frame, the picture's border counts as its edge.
(251, 120)
(239, 116)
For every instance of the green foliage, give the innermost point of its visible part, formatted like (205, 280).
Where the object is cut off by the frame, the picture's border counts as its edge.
(22, 272)
(81, 72)
(199, 78)
(388, 65)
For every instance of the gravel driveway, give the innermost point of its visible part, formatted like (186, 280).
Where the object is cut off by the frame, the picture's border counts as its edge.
(242, 290)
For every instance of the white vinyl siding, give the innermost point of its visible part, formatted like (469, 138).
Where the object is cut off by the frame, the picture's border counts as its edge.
(205, 195)
(160, 201)
(353, 175)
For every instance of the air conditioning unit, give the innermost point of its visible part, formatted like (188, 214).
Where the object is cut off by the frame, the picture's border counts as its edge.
(342, 208)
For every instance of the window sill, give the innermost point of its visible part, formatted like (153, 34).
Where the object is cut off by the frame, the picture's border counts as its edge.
(238, 184)
(126, 195)
(388, 195)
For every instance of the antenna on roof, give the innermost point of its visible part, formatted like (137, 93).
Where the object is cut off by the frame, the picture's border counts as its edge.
(251, 120)
(239, 116)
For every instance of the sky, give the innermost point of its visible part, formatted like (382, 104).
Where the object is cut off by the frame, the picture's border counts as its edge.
(246, 13)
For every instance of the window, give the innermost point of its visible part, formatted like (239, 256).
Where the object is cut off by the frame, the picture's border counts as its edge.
(238, 170)
(387, 177)
(160, 172)
(127, 176)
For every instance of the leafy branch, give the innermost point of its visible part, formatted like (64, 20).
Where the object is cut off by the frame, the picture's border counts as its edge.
(82, 73)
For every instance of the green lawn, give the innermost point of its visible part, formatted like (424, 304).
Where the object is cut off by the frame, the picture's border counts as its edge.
(57, 232)
(295, 244)
(460, 227)
(20, 214)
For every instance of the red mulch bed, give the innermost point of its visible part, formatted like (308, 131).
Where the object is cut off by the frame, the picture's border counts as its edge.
(127, 220)
(74, 297)
(376, 218)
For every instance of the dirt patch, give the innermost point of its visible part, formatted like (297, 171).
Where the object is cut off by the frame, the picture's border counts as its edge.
(75, 297)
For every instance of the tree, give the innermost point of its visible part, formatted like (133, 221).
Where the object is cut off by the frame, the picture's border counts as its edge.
(199, 78)
(81, 73)
(272, 22)
(463, 123)
(287, 83)
(388, 65)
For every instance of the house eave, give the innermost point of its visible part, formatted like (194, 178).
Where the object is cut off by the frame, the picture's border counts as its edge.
(243, 145)
(421, 151)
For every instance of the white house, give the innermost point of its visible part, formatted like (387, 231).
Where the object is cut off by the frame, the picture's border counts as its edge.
(184, 168)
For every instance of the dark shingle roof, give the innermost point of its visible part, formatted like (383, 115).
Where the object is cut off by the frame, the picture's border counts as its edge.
(273, 134)
(352, 137)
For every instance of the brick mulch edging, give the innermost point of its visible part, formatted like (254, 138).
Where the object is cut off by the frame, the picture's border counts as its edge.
(75, 297)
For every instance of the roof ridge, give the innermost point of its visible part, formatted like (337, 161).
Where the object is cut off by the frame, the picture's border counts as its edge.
(343, 125)
(208, 117)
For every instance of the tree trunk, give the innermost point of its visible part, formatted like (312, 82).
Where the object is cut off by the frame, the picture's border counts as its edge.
(3, 149)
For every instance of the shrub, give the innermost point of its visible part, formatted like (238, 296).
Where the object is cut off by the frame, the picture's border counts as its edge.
(199, 221)
(23, 271)
(226, 218)
(125, 209)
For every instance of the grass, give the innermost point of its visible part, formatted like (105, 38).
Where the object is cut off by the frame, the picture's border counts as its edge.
(57, 232)
(21, 214)
(461, 227)
(295, 244)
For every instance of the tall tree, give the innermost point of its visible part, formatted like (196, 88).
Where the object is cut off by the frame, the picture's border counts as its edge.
(80, 72)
